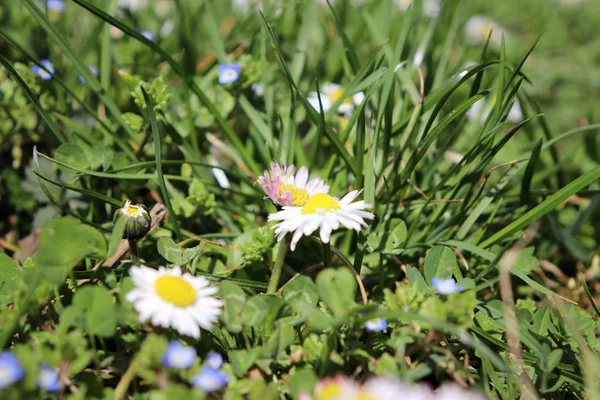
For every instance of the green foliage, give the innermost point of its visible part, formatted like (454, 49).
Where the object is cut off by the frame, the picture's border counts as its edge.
(468, 153)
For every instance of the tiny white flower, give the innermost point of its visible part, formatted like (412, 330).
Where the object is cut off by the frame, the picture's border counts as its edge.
(331, 93)
(446, 286)
(479, 111)
(321, 212)
(431, 8)
(478, 28)
(172, 299)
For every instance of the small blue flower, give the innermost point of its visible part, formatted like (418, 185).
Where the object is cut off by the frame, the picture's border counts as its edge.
(45, 74)
(148, 35)
(209, 379)
(229, 73)
(178, 356)
(10, 369)
(214, 360)
(55, 5)
(48, 378)
(446, 286)
(376, 325)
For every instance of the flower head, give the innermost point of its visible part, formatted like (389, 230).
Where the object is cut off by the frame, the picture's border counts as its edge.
(286, 189)
(172, 299)
(48, 378)
(149, 35)
(178, 356)
(431, 8)
(44, 73)
(322, 212)
(446, 286)
(55, 5)
(387, 388)
(339, 387)
(10, 369)
(331, 94)
(214, 360)
(137, 220)
(482, 109)
(229, 73)
(210, 379)
(478, 28)
(376, 325)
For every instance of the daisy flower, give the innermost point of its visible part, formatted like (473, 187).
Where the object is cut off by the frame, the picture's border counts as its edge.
(229, 73)
(172, 299)
(446, 286)
(45, 74)
(10, 369)
(331, 93)
(48, 378)
(388, 388)
(478, 28)
(481, 109)
(322, 212)
(178, 356)
(431, 8)
(338, 388)
(286, 189)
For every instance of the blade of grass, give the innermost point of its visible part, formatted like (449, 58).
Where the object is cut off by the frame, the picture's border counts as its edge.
(157, 155)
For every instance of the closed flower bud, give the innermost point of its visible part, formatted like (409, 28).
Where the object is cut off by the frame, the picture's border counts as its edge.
(137, 220)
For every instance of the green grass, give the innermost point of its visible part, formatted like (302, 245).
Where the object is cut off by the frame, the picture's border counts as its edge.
(452, 196)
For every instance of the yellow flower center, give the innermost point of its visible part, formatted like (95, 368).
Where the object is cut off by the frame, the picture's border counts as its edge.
(320, 201)
(331, 391)
(335, 96)
(175, 290)
(133, 211)
(299, 196)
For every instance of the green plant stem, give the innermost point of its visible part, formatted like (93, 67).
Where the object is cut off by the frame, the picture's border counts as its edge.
(278, 266)
(126, 379)
(327, 256)
(134, 250)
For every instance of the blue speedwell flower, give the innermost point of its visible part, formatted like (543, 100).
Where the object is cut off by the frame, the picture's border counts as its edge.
(148, 35)
(229, 73)
(209, 379)
(446, 286)
(45, 74)
(376, 325)
(55, 5)
(10, 369)
(48, 378)
(214, 360)
(178, 356)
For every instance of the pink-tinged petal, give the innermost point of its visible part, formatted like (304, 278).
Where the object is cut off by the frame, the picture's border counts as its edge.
(301, 177)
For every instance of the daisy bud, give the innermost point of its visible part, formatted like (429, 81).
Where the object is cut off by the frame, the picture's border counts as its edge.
(137, 220)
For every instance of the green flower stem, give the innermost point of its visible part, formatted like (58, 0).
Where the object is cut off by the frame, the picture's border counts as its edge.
(123, 385)
(134, 251)
(278, 266)
(327, 255)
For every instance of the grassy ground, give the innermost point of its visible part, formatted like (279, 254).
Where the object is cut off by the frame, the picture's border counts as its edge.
(476, 144)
